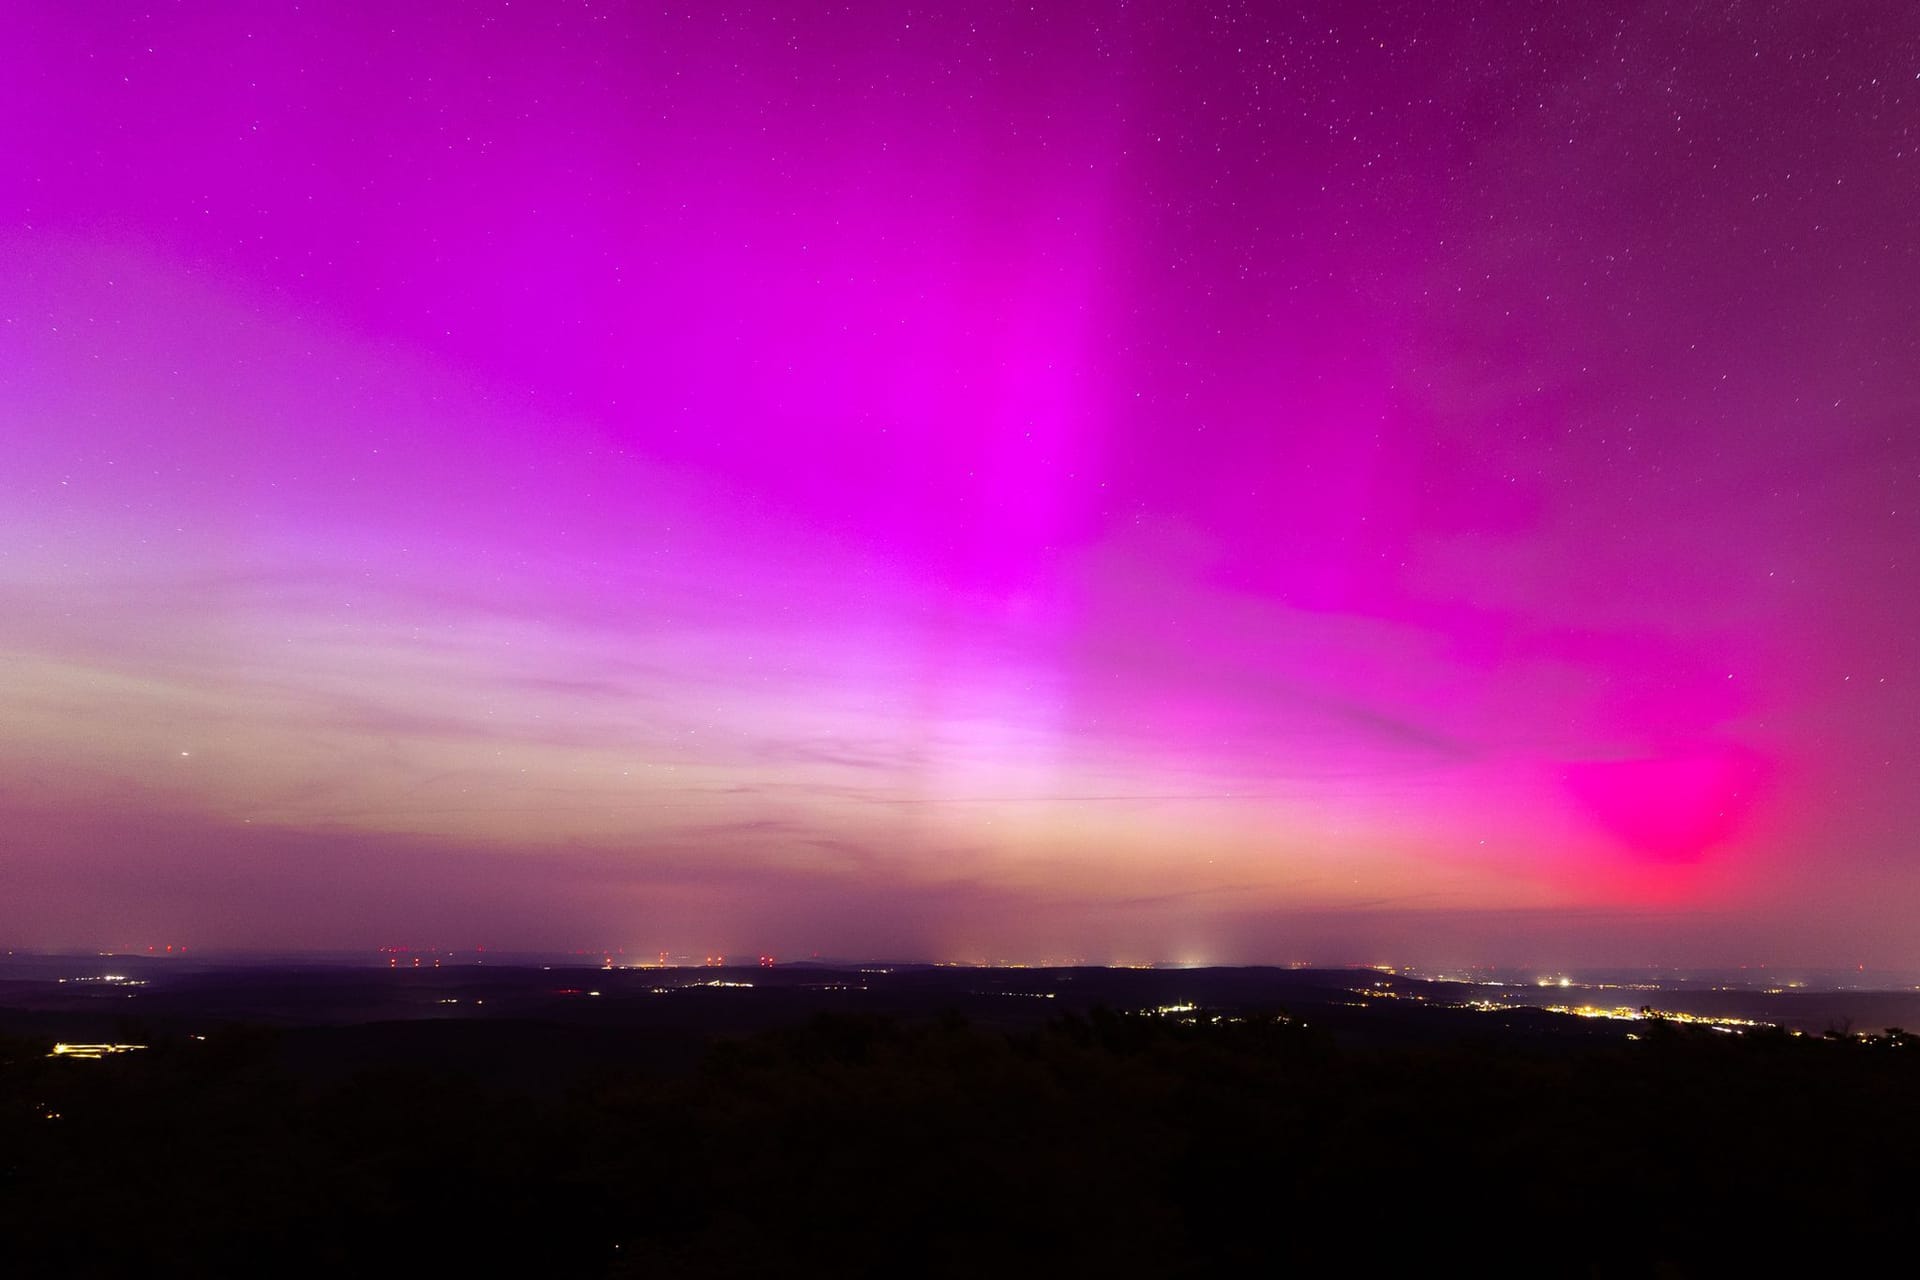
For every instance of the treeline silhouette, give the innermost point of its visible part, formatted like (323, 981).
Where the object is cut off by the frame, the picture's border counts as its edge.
(861, 1146)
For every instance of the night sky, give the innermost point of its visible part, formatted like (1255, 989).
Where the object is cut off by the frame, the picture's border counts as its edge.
(1158, 482)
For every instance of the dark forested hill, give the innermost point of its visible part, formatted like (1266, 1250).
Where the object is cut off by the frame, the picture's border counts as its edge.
(855, 1145)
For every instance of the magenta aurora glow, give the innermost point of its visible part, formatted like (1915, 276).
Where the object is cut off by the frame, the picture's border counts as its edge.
(1152, 482)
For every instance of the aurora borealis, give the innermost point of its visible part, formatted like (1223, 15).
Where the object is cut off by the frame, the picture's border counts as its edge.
(1150, 482)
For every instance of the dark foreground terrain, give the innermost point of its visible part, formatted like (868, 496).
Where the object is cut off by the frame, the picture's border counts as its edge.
(985, 1124)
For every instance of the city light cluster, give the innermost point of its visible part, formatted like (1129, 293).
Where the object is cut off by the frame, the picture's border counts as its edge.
(1623, 1013)
(91, 1052)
